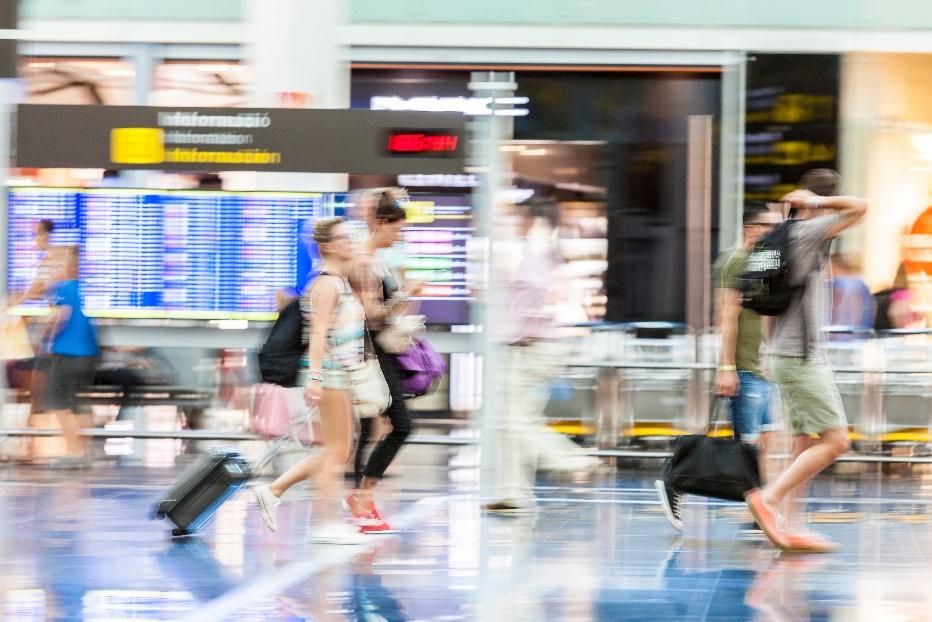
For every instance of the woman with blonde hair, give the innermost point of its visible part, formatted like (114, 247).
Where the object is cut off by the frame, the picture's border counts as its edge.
(336, 321)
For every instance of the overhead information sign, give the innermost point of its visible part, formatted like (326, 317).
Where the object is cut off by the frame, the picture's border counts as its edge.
(239, 139)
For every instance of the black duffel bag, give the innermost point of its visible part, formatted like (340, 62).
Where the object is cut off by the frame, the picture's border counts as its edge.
(724, 468)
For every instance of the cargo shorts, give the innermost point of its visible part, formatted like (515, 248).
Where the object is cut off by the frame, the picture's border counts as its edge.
(807, 388)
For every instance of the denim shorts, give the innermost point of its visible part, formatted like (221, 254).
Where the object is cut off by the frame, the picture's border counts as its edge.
(750, 407)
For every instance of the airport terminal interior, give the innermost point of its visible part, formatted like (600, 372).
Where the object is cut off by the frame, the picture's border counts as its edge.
(392, 311)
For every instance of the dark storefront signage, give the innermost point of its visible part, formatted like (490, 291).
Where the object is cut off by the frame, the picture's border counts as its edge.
(239, 139)
(7, 46)
(791, 120)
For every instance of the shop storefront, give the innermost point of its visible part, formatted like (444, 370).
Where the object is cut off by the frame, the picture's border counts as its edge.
(609, 144)
(888, 155)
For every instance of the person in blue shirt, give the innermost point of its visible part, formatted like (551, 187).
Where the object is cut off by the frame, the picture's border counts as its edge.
(852, 301)
(73, 349)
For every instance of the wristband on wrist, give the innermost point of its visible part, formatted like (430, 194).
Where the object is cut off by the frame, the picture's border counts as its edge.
(727, 368)
(316, 376)
(815, 202)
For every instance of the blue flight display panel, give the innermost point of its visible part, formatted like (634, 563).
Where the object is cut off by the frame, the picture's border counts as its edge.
(190, 254)
(169, 254)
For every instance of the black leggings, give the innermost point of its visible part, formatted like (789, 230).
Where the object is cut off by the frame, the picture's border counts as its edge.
(385, 452)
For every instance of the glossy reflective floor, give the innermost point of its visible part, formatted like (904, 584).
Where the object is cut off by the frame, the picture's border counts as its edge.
(79, 546)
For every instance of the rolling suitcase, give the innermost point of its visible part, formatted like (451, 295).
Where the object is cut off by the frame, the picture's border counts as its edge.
(203, 488)
(200, 491)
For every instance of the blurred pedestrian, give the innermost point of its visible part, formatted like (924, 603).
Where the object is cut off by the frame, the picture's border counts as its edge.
(522, 443)
(799, 366)
(336, 321)
(894, 305)
(32, 373)
(49, 264)
(73, 349)
(740, 376)
(385, 296)
(852, 305)
(362, 221)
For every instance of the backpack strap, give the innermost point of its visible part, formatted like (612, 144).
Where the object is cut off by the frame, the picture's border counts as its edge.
(805, 313)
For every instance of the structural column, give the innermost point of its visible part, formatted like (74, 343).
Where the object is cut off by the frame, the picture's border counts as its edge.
(298, 61)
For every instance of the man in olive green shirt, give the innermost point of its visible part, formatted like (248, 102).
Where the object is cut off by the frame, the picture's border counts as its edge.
(739, 375)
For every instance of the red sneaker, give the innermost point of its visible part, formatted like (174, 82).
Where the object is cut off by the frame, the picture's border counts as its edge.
(369, 520)
(766, 519)
(375, 526)
(374, 511)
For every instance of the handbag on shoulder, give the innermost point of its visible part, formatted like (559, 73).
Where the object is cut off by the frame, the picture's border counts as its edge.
(371, 396)
(724, 468)
(421, 368)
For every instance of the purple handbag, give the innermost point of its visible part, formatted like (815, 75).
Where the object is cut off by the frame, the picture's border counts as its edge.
(421, 367)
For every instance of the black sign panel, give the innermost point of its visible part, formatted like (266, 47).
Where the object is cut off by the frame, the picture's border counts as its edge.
(791, 120)
(7, 46)
(239, 139)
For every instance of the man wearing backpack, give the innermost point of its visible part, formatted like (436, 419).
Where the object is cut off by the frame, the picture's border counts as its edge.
(807, 387)
(739, 378)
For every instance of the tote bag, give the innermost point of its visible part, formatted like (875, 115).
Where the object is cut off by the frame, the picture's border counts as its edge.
(724, 468)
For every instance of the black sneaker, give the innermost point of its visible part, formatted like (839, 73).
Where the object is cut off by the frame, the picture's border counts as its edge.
(670, 500)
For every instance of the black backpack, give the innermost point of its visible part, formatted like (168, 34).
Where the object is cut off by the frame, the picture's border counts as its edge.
(765, 285)
(283, 348)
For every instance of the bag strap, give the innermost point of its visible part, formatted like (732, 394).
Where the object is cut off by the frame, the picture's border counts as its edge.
(721, 404)
(369, 344)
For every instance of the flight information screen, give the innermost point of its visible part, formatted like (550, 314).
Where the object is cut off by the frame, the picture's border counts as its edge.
(176, 254)
(221, 255)
(435, 253)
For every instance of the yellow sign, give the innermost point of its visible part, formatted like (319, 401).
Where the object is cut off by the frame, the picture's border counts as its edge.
(137, 145)
(419, 212)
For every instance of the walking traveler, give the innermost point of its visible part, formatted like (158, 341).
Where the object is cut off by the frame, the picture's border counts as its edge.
(336, 320)
(386, 298)
(522, 444)
(739, 378)
(799, 367)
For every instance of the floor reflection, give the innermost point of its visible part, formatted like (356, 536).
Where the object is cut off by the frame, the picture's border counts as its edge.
(80, 547)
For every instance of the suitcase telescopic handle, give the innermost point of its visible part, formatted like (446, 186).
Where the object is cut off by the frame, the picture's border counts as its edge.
(291, 434)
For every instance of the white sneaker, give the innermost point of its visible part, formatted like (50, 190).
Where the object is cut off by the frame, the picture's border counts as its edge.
(338, 533)
(268, 505)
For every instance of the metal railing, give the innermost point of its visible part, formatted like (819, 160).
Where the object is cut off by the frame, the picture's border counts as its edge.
(653, 381)
(654, 387)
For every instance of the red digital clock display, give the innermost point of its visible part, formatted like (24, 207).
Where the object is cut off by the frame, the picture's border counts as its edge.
(438, 143)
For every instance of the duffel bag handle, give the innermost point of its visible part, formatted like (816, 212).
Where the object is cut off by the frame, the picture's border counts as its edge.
(721, 404)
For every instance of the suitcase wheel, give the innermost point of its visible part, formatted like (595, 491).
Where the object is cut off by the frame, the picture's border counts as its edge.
(178, 532)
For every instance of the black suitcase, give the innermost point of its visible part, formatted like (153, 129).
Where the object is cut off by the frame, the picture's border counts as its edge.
(202, 489)
(208, 483)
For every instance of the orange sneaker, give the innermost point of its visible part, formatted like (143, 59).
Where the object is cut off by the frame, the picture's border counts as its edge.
(810, 543)
(766, 519)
